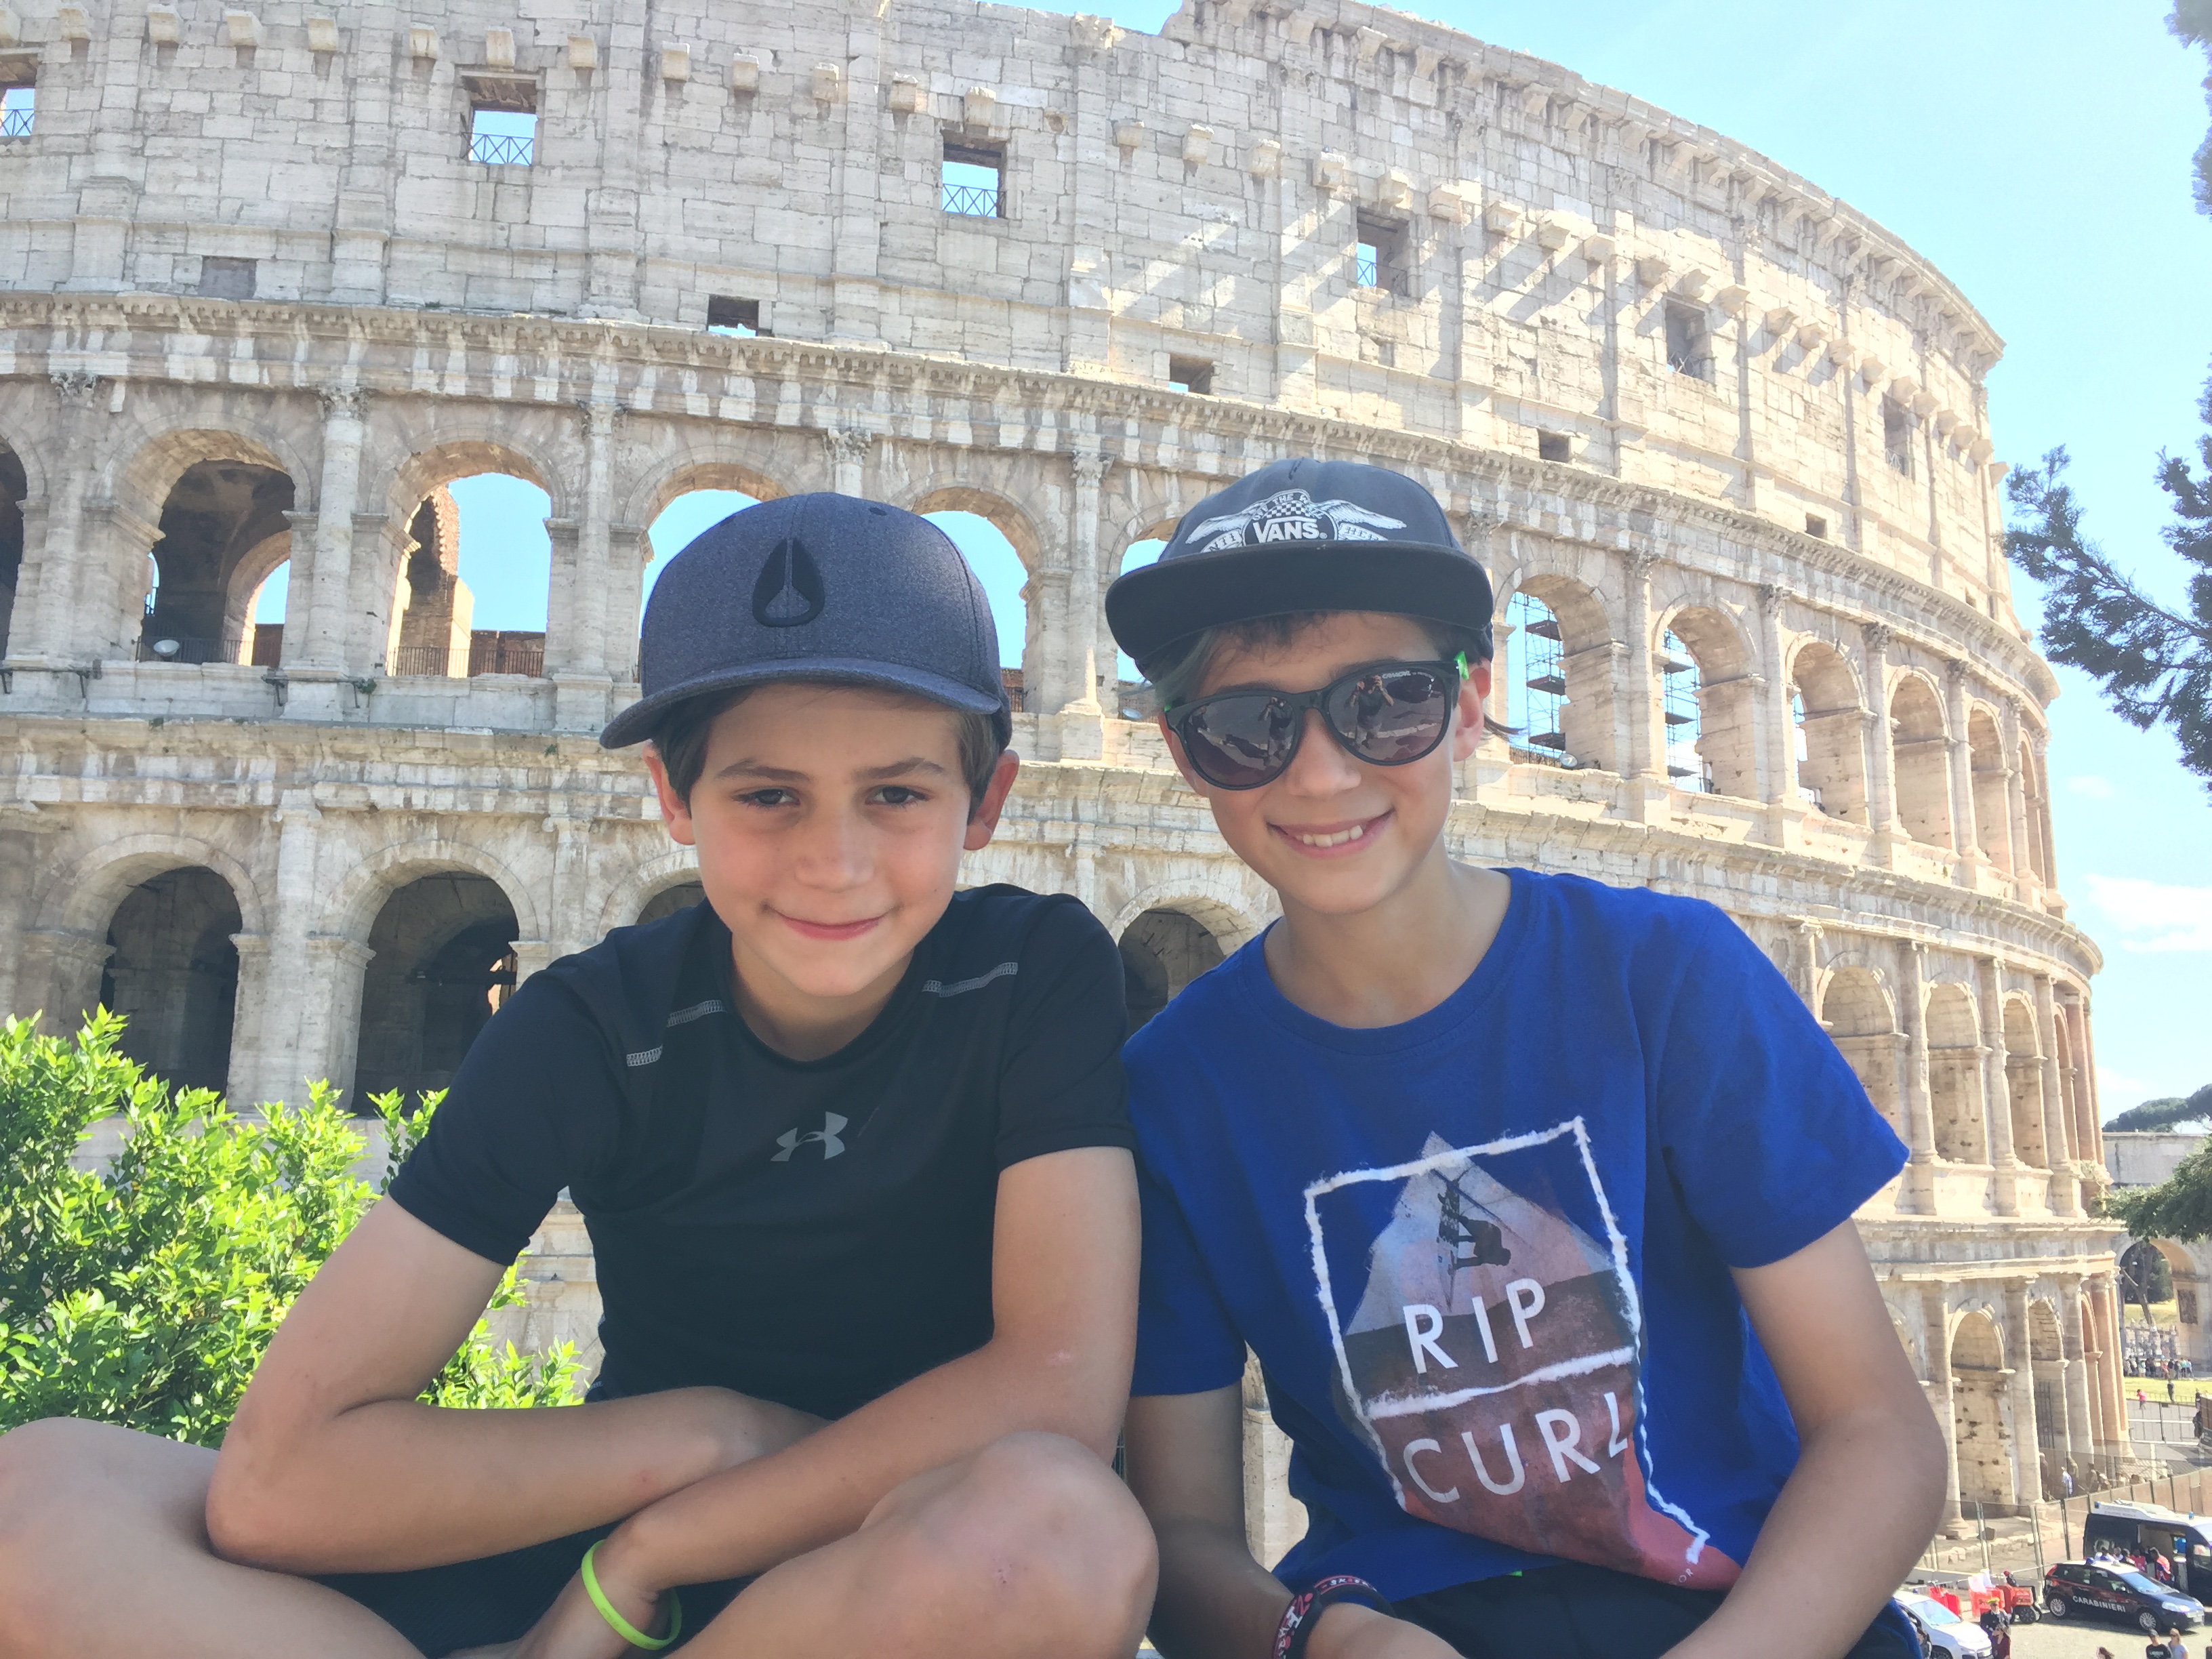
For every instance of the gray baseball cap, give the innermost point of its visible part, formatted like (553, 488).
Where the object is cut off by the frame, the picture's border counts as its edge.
(821, 587)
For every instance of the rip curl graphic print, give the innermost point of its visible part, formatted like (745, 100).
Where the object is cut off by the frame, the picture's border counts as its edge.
(1492, 1359)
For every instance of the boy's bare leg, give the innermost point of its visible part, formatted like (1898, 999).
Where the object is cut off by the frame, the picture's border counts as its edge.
(103, 1554)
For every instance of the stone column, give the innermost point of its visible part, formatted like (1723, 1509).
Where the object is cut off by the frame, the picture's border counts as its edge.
(577, 612)
(629, 552)
(2093, 1113)
(1079, 690)
(2057, 1135)
(1966, 834)
(848, 456)
(2014, 736)
(329, 574)
(1919, 1110)
(47, 615)
(1779, 754)
(2026, 1440)
(243, 1086)
(1996, 1086)
(2039, 744)
(1637, 716)
(291, 1035)
(611, 237)
(2080, 1416)
(1881, 751)
(1939, 1397)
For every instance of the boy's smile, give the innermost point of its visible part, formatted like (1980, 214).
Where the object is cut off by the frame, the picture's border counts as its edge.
(830, 821)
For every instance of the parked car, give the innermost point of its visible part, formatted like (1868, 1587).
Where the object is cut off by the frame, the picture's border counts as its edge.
(1945, 1633)
(2109, 1591)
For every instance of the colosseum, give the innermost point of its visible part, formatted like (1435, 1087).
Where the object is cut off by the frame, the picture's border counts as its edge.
(274, 279)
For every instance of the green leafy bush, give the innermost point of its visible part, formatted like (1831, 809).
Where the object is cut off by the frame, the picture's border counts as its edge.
(146, 1296)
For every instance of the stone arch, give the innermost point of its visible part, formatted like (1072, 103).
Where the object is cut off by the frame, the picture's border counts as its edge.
(1585, 660)
(2032, 780)
(255, 567)
(1722, 659)
(351, 910)
(80, 898)
(941, 493)
(1831, 731)
(1218, 908)
(441, 958)
(1955, 1074)
(1992, 787)
(1163, 950)
(172, 971)
(669, 900)
(2024, 1082)
(671, 868)
(1981, 1424)
(1920, 740)
(1860, 1019)
(145, 467)
(651, 494)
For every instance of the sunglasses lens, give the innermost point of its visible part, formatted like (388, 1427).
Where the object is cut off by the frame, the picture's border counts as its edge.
(1389, 716)
(1239, 743)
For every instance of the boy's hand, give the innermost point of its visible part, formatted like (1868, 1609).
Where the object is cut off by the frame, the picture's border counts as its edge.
(1346, 1630)
(573, 1629)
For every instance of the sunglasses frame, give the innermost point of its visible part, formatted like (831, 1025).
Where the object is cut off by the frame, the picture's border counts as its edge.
(1298, 702)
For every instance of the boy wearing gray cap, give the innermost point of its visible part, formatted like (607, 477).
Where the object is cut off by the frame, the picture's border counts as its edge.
(854, 1153)
(1533, 1196)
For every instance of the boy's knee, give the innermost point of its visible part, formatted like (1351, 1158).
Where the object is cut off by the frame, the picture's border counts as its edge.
(43, 1477)
(1044, 1509)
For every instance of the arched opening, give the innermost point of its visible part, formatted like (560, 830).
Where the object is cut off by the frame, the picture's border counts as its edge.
(2038, 814)
(1977, 1415)
(1856, 1016)
(443, 964)
(1535, 681)
(2046, 1361)
(2182, 1282)
(1161, 952)
(13, 488)
(997, 562)
(2072, 1087)
(222, 524)
(1954, 1076)
(1145, 549)
(669, 900)
(1824, 704)
(265, 618)
(475, 575)
(2024, 1084)
(172, 973)
(1922, 748)
(1705, 703)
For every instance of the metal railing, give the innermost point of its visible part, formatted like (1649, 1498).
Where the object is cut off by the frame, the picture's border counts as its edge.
(421, 659)
(16, 123)
(972, 201)
(491, 654)
(188, 649)
(498, 150)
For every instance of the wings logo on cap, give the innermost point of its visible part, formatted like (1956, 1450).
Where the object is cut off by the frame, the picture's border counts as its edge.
(1292, 515)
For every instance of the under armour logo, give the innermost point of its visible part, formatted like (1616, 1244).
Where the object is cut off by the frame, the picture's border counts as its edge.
(828, 1136)
(788, 593)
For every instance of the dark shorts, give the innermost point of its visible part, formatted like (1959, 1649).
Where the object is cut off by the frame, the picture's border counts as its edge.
(473, 1604)
(1578, 1612)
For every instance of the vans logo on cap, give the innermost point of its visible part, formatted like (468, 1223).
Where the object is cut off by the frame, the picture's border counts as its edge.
(1292, 515)
(789, 592)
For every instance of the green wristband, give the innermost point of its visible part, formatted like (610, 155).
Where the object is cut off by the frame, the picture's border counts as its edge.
(622, 1627)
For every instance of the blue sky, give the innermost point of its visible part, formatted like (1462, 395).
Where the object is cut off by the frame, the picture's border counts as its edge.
(2039, 153)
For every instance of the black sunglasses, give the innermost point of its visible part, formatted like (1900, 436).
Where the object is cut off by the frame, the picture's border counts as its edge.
(1387, 713)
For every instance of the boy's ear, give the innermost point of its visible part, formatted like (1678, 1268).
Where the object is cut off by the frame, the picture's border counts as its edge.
(675, 812)
(983, 821)
(1474, 700)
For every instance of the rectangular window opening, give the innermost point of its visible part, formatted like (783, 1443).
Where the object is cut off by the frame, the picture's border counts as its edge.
(500, 137)
(227, 279)
(1897, 436)
(1193, 374)
(727, 314)
(1380, 256)
(1816, 527)
(1689, 340)
(972, 179)
(1554, 447)
(19, 111)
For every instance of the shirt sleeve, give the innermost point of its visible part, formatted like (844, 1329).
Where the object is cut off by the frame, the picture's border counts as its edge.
(1186, 1341)
(1764, 1125)
(1061, 1084)
(534, 1107)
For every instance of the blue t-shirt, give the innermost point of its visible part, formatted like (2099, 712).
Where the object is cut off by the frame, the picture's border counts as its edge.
(1483, 1256)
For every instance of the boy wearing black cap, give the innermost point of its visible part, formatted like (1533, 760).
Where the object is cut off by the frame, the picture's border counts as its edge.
(1532, 1197)
(853, 1152)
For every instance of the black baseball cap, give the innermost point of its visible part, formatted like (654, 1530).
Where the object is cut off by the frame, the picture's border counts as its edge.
(822, 586)
(1302, 534)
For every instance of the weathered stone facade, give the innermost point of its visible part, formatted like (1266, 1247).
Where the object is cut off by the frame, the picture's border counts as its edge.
(1724, 435)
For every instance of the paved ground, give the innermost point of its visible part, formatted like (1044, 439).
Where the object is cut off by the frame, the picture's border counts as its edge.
(2075, 1639)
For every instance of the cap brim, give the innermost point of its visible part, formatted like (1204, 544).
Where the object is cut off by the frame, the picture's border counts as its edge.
(635, 723)
(1154, 605)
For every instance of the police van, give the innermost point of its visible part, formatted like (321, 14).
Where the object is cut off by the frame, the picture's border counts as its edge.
(2153, 1529)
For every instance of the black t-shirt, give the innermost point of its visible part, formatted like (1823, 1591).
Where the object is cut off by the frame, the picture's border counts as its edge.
(814, 1232)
